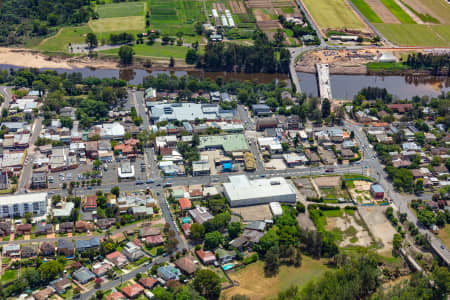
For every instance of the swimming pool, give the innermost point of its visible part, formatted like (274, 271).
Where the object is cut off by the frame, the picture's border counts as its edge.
(227, 267)
(186, 220)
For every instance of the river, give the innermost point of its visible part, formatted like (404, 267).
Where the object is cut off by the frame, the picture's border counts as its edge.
(347, 86)
(342, 86)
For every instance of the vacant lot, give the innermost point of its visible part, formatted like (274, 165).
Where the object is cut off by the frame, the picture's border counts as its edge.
(378, 224)
(60, 41)
(333, 14)
(254, 213)
(254, 285)
(444, 235)
(125, 9)
(416, 34)
(367, 11)
(397, 11)
(118, 24)
(436, 8)
(349, 229)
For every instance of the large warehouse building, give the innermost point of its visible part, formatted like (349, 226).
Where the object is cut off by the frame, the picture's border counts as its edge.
(241, 191)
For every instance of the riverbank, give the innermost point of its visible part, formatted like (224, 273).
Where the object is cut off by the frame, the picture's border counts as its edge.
(26, 58)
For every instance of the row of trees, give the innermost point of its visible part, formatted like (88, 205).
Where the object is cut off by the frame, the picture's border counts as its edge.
(438, 64)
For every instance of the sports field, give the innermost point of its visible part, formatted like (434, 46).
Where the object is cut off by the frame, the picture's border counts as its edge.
(416, 34)
(367, 11)
(335, 14)
(398, 12)
(118, 24)
(124, 9)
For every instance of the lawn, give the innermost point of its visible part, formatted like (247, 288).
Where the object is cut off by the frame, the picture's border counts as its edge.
(331, 14)
(117, 10)
(416, 34)
(398, 12)
(60, 41)
(156, 50)
(253, 284)
(335, 213)
(367, 11)
(9, 275)
(383, 66)
(444, 235)
(118, 24)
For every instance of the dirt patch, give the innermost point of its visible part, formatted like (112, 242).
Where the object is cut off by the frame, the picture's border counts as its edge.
(275, 164)
(378, 224)
(253, 213)
(385, 14)
(352, 231)
(305, 188)
(328, 181)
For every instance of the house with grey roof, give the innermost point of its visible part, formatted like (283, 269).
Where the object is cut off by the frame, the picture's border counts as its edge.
(83, 275)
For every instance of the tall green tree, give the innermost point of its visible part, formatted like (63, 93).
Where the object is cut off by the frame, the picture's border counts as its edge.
(208, 284)
(126, 54)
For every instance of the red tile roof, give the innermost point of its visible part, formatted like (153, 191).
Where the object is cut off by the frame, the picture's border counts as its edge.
(132, 142)
(133, 290)
(148, 282)
(195, 193)
(185, 203)
(205, 256)
(154, 239)
(91, 202)
(116, 296)
(186, 228)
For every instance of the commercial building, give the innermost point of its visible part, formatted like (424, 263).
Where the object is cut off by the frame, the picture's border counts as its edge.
(186, 112)
(241, 191)
(229, 142)
(377, 191)
(126, 170)
(19, 205)
(261, 110)
(64, 211)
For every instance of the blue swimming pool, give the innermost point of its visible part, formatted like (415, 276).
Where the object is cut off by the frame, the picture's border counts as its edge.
(186, 220)
(227, 267)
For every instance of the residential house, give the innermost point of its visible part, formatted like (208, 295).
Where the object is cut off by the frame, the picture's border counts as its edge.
(148, 282)
(104, 224)
(186, 265)
(44, 294)
(29, 250)
(43, 228)
(224, 256)
(65, 248)
(154, 240)
(400, 108)
(149, 231)
(23, 229)
(206, 257)
(168, 273)
(261, 110)
(83, 275)
(200, 214)
(100, 269)
(116, 296)
(133, 291)
(247, 239)
(83, 226)
(132, 252)
(83, 245)
(117, 258)
(47, 249)
(61, 285)
(65, 227)
(5, 228)
(185, 203)
(11, 250)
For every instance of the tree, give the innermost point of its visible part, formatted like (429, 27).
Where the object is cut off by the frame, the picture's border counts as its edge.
(234, 229)
(126, 55)
(50, 270)
(208, 284)
(197, 231)
(441, 278)
(213, 240)
(418, 187)
(278, 37)
(32, 277)
(97, 164)
(91, 40)
(172, 62)
(326, 108)
(191, 57)
(397, 241)
(115, 191)
(66, 122)
(198, 26)
(272, 263)
(28, 217)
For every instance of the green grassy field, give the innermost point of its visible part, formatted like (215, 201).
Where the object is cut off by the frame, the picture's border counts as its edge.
(124, 9)
(381, 66)
(118, 24)
(60, 41)
(439, 8)
(156, 50)
(9, 275)
(416, 34)
(398, 12)
(367, 11)
(333, 14)
(444, 235)
(253, 284)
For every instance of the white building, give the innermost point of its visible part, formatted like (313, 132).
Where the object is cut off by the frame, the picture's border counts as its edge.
(126, 170)
(241, 191)
(111, 131)
(64, 211)
(276, 209)
(18, 205)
